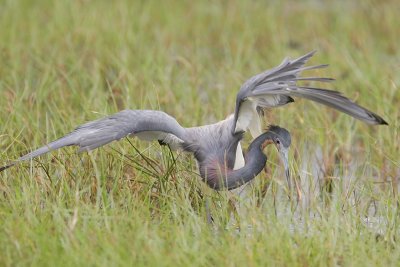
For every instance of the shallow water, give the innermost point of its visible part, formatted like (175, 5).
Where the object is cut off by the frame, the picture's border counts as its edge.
(349, 187)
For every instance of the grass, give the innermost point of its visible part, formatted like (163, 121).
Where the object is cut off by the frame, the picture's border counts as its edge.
(65, 62)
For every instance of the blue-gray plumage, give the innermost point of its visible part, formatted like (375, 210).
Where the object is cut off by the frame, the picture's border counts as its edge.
(219, 174)
(276, 87)
(216, 147)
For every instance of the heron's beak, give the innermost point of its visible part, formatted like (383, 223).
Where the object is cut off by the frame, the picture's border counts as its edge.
(284, 157)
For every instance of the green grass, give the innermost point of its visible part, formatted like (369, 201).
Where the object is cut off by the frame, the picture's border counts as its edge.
(65, 62)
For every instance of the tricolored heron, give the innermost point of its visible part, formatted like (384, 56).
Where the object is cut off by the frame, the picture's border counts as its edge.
(216, 147)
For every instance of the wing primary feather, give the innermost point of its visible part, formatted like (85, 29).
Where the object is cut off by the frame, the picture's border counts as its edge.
(97, 133)
(315, 79)
(272, 88)
(337, 101)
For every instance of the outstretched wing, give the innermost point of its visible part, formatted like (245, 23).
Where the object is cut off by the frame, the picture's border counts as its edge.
(276, 87)
(146, 124)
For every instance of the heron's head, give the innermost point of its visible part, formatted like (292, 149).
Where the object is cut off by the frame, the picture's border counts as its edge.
(281, 138)
(278, 136)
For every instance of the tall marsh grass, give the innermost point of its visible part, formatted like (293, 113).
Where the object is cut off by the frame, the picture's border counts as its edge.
(66, 62)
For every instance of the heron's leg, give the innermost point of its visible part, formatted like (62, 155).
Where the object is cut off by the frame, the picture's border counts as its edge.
(238, 199)
(234, 209)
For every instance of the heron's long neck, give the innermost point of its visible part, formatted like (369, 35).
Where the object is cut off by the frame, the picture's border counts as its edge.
(224, 178)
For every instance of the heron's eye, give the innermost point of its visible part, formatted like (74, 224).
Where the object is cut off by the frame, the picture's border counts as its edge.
(278, 142)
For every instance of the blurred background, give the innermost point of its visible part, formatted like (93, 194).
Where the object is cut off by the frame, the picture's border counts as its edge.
(66, 62)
